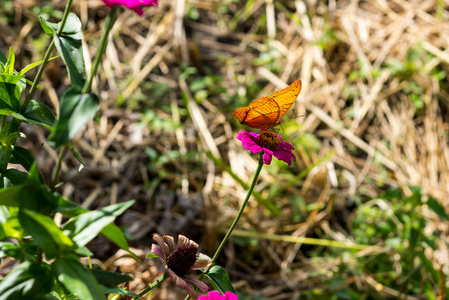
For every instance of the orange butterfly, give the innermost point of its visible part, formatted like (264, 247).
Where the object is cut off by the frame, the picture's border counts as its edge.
(266, 112)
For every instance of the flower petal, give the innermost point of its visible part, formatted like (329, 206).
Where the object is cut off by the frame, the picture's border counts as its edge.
(284, 155)
(249, 141)
(135, 5)
(214, 295)
(156, 250)
(201, 285)
(201, 263)
(181, 282)
(286, 145)
(267, 157)
(182, 240)
(171, 242)
(172, 274)
(162, 244)
(189, 288)
(230, 296)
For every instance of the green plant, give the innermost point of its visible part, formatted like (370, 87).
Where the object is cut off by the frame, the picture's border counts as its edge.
(49, 254)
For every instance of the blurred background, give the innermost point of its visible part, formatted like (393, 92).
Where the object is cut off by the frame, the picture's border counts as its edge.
(361, 214)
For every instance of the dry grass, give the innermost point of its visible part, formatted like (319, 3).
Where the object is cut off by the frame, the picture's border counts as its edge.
(354, 101)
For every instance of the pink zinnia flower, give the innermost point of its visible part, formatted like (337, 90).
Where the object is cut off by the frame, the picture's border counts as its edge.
(268, 142)
(181, 261)
(214, 295)
(135, 5)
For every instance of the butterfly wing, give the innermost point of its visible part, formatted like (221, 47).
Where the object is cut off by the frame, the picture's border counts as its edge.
(266, 112)
(261, 113)
(286, 97)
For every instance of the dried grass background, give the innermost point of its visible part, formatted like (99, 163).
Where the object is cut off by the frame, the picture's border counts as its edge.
(356, 127)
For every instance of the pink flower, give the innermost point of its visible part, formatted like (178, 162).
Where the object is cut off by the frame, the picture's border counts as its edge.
(268, 142)
(214, 295)
(180, 261)
(135, 5)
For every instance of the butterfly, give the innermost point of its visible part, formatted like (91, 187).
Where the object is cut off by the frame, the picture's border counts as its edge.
(266, 112)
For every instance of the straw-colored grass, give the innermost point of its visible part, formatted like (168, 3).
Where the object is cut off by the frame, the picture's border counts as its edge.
(372, 114)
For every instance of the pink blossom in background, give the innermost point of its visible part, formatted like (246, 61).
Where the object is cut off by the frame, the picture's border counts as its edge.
(215, 295)
(135, 5)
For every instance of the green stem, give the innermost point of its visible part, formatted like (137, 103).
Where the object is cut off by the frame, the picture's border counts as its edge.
(110, 20)
(237, 217)
(57, 169)
(151, 286)
(239, 214)
(47, 55)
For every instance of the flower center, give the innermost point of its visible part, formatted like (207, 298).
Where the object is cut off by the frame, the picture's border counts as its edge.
(182, 259)
(269, 140)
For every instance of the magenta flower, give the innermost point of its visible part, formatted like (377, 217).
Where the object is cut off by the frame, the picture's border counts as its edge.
(268, 142)
(135, 5)
(214, 295)
(181, 261)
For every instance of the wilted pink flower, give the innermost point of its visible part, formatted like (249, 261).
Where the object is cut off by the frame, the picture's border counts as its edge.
(181, 261)
(135, 5)
(214, 295)
(268, 142)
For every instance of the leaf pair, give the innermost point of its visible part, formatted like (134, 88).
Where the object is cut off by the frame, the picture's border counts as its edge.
(76, 107)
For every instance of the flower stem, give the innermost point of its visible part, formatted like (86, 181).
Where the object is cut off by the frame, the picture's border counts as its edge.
(152, 286)
(110, 20)
(57, 169)
(237, 217)
(239, 214)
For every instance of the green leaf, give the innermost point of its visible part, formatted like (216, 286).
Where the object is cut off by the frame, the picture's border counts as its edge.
(87, 226)
(9, 249)
(38, 113)
(77, 278)
(9, 95)
(83, 252)
(27, 281)
(69, 46)
(71, 26)
(69, 209)
(220, 279)
(13, 228)
(71, 51)
(429, 266)
(151, 255)
(16, 177)
(110, 279)
(75, 110)
(9, 134)
(10, 78)
(77, 156)
(113, 233)
(31, 83)
(118, 291)
(9, 67)
(23, 157)
(5, 154)
(33, 65)
(437, 208)
(48, 27)
(32, 194)
(3, 59)
(45, 233)
(5, 111)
